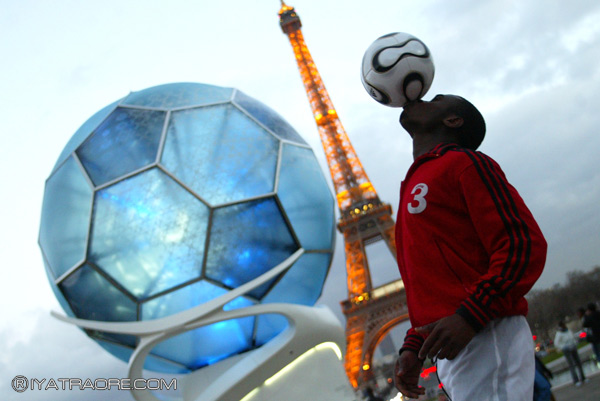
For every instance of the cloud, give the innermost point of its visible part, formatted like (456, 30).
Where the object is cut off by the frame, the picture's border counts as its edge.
(545, 142)
(42, 347)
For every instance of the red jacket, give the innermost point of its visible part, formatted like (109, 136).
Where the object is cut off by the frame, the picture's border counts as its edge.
(466, 242)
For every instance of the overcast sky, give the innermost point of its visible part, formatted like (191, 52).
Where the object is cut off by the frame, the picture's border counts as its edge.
(530, 66)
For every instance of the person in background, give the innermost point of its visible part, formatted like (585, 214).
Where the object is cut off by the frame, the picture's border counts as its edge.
(541, 386)
(591, 324)
(565, 341)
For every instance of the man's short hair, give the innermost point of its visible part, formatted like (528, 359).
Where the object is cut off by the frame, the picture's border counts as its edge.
(472, 131)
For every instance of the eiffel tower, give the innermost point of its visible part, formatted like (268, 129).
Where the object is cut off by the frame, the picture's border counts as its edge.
(364, 219)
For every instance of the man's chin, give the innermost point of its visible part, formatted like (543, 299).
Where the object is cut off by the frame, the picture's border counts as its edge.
(406, 109)
(403, 117)
(404, 124)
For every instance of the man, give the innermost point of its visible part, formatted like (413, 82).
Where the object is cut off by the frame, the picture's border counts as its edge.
(468, 251)
(591, 322)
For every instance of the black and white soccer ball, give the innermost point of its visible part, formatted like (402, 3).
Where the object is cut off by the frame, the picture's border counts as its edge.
(397, 68)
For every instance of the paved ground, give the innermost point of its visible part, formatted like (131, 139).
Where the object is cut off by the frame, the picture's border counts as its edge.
(590, 391)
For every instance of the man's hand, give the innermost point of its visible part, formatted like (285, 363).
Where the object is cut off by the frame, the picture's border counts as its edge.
(406, 374)
(447, 337)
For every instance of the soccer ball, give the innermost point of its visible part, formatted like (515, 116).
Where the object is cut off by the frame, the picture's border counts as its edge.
(173, 196)
(397, 68)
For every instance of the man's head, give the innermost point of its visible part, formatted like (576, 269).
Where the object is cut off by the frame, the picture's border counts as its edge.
(450, 116)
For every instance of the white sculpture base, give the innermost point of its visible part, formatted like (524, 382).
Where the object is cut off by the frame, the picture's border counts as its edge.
(306, 365)
(304, 362)
(317, 375)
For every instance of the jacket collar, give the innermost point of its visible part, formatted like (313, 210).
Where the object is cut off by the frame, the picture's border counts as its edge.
(442, 148)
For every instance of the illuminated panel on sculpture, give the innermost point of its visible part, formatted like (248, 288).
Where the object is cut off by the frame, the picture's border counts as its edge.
(305, 197)
(65, 217)
(125, 142)
(268, 117)
(247, 240)
(204, 345)
(182, 299)
(59, 295)
(302, 284)
(148, 233)
(87, 287)
(84, 131)
(220, 153)
(176, 95)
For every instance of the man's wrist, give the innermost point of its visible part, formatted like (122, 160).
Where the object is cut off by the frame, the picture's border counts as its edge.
(476, 324)
(413, 342)
(416, 352)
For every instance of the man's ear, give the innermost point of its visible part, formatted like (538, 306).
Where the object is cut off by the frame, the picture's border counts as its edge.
(454, 121)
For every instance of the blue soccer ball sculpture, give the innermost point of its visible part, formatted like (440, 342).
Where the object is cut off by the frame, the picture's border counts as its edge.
(174, 195)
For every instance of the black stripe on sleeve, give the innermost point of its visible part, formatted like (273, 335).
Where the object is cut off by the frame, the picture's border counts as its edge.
(514, 265)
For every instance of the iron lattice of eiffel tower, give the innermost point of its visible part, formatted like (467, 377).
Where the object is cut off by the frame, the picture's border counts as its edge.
(370, 312)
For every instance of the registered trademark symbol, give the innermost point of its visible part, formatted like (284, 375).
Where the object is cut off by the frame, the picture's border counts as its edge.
(19, 383)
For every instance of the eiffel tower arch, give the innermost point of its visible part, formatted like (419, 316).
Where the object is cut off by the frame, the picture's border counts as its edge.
(368, 323)
(370, 312)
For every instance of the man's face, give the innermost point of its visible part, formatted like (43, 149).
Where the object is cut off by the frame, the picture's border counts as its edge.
(423, 115)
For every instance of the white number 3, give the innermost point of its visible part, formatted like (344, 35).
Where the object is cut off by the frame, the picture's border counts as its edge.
(419, 192)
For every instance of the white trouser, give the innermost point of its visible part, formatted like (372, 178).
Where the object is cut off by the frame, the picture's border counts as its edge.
(497, 365)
